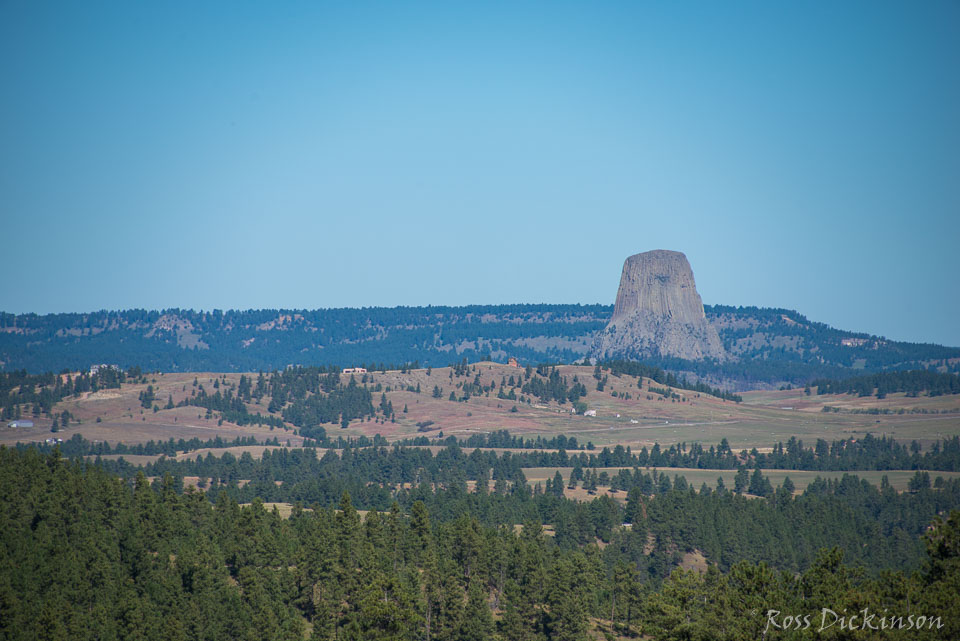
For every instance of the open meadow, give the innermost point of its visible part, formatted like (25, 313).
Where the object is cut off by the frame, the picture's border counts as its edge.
(626, 413)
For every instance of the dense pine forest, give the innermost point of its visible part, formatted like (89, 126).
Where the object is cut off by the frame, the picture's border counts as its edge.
(375, 477)
(86, 554)
(769, 346)
(386, 540)
(709, 517)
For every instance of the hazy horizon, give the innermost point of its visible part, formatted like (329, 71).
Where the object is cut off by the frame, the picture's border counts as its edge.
(249, 156)
(437, 305)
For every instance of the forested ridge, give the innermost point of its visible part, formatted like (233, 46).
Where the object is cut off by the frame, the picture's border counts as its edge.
(87, 555)
(375, 477)
(187, 340)
(913, 382)
(769, 345)
(657, 375)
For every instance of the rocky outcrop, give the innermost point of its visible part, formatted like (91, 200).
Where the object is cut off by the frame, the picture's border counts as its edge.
(658, 313)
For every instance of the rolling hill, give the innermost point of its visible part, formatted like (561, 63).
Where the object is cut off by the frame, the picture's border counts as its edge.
(770, 347)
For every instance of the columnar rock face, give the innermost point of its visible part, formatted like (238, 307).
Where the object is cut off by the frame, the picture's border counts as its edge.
(658, 312)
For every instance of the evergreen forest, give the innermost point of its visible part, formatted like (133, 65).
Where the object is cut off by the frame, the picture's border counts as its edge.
(768, 346)
(393, 543)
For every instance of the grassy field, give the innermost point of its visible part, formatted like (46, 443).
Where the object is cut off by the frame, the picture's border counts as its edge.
(122, 419)
(764, 418)
(760, 421)
(256, 451)
(284, 509)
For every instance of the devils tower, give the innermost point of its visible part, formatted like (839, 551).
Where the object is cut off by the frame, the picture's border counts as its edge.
(658, 312)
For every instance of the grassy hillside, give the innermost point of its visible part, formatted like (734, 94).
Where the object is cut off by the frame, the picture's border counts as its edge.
(630, 411)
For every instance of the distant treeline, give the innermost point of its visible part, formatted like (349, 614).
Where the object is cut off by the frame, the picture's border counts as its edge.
(252, 340)
(867, 453)
(618, 368)
(77, 445)
(770, 345)
(885, 411)
(913, 382)
(503, 439)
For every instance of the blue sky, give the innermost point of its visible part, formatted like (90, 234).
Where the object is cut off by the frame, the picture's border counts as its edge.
(304, 155)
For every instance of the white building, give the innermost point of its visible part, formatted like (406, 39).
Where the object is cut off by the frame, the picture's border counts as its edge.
(95, 369)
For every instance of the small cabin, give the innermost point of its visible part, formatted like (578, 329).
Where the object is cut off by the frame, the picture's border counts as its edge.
(20, 423)
(355, 370)
(512, 362)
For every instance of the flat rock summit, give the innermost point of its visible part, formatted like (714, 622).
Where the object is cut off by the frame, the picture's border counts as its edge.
(658, 312)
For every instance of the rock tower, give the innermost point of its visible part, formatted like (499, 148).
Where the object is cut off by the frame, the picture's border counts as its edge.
(658, 313)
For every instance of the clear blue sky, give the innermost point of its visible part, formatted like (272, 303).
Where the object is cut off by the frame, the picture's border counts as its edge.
(303, 155)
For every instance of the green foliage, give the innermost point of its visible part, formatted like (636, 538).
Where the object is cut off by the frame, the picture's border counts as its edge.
(86, 555)
(547, 385)
(913, 382)
(43, 391)
(268, 340)
(402, 335)
(619, 368)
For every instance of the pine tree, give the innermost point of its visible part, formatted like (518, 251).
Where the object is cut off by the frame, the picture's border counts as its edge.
(477, 623)
(420, 538)
(741, 481)
(568, 617)
(512, 627)
(557, 485)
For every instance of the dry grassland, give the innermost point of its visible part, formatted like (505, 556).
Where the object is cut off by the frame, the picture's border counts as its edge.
(763, 419)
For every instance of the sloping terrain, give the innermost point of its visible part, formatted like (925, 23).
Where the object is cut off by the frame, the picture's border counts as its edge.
(630, 411)
(769, 347)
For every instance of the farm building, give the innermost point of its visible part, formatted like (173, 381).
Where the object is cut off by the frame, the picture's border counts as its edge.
(20, 423)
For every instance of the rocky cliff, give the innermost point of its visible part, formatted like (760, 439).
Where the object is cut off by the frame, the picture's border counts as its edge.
(658, 312)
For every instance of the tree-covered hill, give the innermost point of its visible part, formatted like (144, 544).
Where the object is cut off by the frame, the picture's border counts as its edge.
(770, 346)
(86, 554)
(186, 340)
